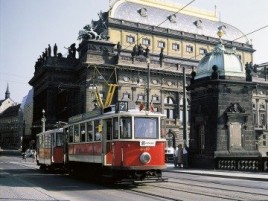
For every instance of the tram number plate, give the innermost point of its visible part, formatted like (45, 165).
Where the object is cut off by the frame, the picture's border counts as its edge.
(147, 143)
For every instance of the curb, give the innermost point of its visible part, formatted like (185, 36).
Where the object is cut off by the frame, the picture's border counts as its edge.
(229, 174)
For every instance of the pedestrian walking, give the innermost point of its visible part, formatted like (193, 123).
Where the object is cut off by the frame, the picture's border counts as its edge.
(175, 157)
(185, 153)
(180, 156)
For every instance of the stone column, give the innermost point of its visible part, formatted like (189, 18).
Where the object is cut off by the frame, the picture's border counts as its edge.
(257, 113)
(266, 114)
(134, 94)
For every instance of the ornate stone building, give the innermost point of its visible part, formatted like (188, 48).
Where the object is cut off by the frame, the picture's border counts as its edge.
(131, 39)
(9, 122)
(260, 107)
(222, 131)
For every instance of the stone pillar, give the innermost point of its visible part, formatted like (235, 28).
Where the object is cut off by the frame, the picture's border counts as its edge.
(134, 94)
(266, 114)
(257, 113)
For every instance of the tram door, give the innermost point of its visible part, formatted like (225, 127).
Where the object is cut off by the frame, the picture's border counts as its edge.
(107, 141)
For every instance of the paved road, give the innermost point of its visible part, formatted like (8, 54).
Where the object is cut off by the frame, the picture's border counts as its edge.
(22, 180)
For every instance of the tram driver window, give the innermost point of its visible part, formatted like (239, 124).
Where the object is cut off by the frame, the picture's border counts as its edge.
(115, 128)
(71, 134)
(146, 128)
(125, 128)
(109, 129)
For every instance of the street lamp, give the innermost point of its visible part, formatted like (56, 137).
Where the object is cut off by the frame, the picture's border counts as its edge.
(148, 81)
(43, 121)
(184, 108)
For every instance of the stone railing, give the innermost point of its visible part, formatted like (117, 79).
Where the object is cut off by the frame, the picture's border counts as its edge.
(243, 164)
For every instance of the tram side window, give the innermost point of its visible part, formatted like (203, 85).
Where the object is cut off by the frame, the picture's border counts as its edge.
(89, 131)
(40, 141)
(115, 128)
(146, 128)
(71, 134)
(59, 139)
(82, 133)
(97, 130)
(47, 141)
(109, 129)
(76, 133)
(125, 130)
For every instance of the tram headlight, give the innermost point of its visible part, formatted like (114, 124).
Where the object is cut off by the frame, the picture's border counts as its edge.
(145, 157)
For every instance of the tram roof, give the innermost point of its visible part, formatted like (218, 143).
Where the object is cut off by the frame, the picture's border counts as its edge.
(51, 131)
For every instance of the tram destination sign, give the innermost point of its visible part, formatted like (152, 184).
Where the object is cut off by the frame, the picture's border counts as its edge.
(147, 143)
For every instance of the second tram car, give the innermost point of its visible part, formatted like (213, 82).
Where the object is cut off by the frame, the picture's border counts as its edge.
(50, 149)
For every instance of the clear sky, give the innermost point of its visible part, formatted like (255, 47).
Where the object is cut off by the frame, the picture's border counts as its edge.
(28, 26)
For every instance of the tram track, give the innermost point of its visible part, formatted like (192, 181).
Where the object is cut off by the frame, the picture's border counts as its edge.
(185, 191)
(216, 188)
(211, 195)
(177, 190)
(213, 182)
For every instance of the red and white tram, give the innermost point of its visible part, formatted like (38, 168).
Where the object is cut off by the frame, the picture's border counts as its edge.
(50, 149)
(119, 142)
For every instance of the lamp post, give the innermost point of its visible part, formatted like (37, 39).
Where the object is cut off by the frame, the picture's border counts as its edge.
(148, 82)
(43, 121)
(184, 108)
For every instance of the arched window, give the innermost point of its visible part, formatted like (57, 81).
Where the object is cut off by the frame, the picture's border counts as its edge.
(168, 100)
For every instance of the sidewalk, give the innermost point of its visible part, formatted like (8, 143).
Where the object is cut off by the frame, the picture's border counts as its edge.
(257, 176)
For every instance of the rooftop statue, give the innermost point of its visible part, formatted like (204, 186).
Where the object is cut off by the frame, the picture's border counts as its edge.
(55, 50)
(97, 30)
(71, 51)
(88, 33)
(161, 56)
(49, 50)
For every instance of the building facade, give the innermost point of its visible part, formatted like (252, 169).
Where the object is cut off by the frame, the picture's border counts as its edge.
(120, 48)
(222, 131)
(9, 122)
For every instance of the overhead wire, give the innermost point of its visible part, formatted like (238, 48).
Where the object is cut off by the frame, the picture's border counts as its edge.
(259, 29)
(251, 32)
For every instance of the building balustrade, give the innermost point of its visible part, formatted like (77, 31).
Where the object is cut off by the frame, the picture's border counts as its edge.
(243, 164)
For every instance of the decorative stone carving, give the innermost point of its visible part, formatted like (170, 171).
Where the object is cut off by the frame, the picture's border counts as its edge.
(172, 18)
(143, 12)
(215, 73)
(97, 30)
(235, 108)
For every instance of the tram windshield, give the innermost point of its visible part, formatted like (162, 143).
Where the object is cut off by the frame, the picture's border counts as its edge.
(59, 139)
(146, 128)
(125, 132)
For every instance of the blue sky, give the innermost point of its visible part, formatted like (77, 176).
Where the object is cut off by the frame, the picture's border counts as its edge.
(28, 26)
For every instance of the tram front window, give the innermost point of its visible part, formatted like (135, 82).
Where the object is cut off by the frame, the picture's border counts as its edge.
(146, 128)
(125, 128)
(59, 139)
